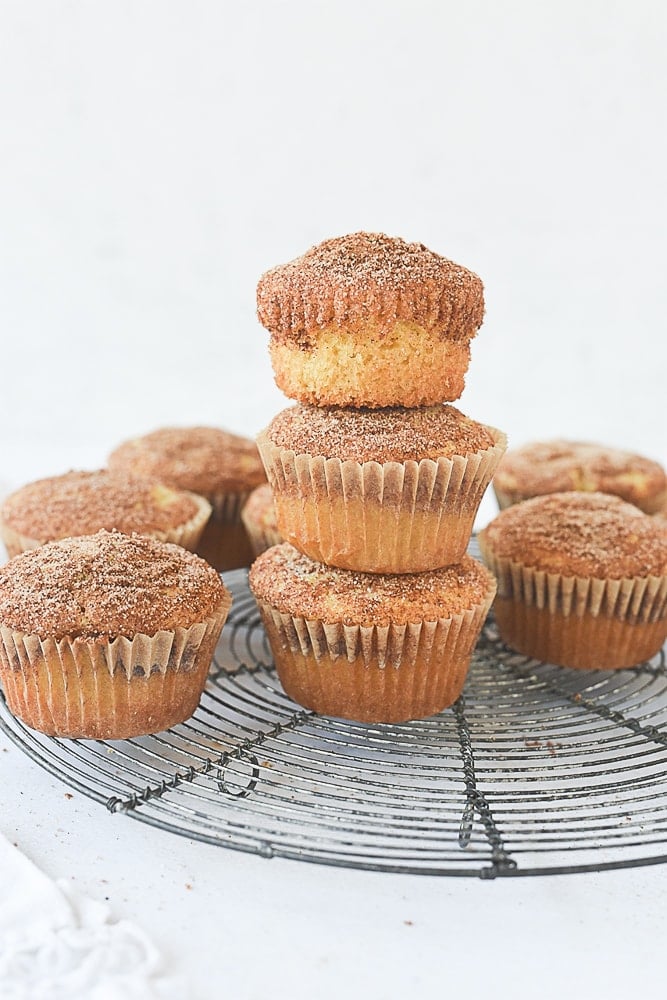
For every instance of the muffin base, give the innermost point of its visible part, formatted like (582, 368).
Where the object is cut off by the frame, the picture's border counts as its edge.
(583, 642)
(404, 366)
(108, 689)
(370, 673)
(371, 693)
(224, 543)
(587, 623)
(392, 541)
(379, 518)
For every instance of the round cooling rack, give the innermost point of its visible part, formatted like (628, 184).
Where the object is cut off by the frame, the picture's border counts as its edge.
(535, 770)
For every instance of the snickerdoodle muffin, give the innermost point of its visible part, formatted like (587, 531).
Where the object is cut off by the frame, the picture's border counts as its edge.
(222, 467)
(560, 466)
(370, 320)
(107, 636)
(381, 648)
(82, 503)
(582, 580)
(380, 491)
(259, 518)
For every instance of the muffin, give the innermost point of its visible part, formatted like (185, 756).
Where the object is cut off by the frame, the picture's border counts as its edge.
(381, 648)
(582, 580)
(82, 503)
(560, 466)
(259, 519)
(370, 320)
(222, 467)
(379, 491)
(107, 636)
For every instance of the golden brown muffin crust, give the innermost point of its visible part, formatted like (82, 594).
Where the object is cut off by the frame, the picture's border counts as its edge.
(369, 277)
(105, 585)
(397, 434)
(81, 503)
(555, 466)
(296, 585)
(205, 460)
(579, 534)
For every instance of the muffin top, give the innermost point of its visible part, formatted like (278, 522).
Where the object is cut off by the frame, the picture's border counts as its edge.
(295, 584)
(364, 278)
(396, 434)
(557, 466)
(81, 503)
(578, 534)
(106, 585)
(205, 460)
(260, 509)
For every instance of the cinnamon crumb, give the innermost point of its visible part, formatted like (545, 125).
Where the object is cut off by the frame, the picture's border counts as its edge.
(396, 434)
(105, 585)
(297, 585)
(350, 280)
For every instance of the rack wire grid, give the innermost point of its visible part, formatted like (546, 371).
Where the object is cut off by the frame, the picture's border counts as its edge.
(536, 769)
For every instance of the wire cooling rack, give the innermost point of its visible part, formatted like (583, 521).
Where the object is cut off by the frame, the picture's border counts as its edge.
(535, 770)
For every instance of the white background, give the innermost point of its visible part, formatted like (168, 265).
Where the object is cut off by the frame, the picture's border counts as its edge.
(155, 158)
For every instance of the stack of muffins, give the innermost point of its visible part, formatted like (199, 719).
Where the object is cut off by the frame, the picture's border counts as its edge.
(371, 605)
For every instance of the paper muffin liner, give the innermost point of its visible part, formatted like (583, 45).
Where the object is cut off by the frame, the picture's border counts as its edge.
(108, 688)
(261, 538)
(507, 498)
(228, 506)
(576, 621)
(187, 535)
(374, 673)
(224, 542)
(395, 517)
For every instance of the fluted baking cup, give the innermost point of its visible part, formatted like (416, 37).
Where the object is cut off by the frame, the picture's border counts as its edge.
(108, 688)
(225, 543)
(581, 622)
(261, 537)
(395, 517)
(374, 673)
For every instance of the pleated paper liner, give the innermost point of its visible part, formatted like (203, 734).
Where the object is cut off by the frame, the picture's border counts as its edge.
(261, 536)
(225, 543)
(374, 673)
(581, 622)
(507, 498)
(396, 517)
(187, 535)
(108, 688)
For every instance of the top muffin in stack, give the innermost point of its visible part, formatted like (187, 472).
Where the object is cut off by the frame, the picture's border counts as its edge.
(373, 473)
(370, 320)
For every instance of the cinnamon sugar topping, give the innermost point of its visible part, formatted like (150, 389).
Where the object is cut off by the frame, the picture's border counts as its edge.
(397, 434)
(296, 585)
(369, 278)
(80, 503)
(106, 585)
(206, 460)
(554, 466)
(579, 534)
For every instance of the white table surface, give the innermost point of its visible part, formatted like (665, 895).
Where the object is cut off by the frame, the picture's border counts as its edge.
(157, 157)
